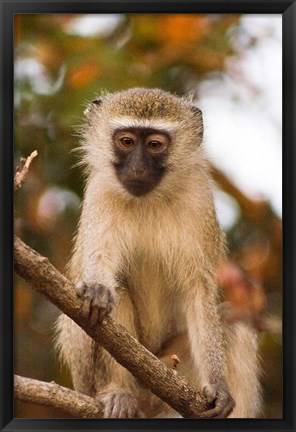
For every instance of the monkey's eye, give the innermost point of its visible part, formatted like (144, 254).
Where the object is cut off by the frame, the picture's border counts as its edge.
(126, 143)
(155, 145)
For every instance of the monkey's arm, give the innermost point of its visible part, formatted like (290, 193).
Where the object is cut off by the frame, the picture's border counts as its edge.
(208, 348)
(93, 267)
(95, 283)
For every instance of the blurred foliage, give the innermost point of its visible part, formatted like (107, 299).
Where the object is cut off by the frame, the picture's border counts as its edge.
(56, 71)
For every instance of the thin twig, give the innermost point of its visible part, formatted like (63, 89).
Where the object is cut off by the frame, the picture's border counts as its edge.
(23, 169)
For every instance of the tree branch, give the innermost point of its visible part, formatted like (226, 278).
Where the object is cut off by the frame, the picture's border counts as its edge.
(149, 370)
(22, 170)
(53, 395)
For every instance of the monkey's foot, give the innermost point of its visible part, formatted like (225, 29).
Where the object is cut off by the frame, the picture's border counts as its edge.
(120, 404)
(97, 301)
(221, 398)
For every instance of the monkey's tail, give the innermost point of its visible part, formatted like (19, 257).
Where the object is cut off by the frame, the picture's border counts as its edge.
(244, 371)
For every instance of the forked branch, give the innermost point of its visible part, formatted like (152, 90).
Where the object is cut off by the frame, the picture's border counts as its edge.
(149, 370)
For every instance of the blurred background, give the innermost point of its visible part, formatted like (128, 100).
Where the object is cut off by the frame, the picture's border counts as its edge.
(232, 64)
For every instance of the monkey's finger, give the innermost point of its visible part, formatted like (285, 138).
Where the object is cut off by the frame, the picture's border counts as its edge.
(224, 409)
(214, 414)
(86, 302)
(211, 413)
(102, 301)
(99, 308)
(102, 313)
(224, 406)
(85, 307)
(94, 315)
(101, 295)
(109, 306)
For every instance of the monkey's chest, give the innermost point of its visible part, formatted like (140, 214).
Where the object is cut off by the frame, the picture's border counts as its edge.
(157, 304)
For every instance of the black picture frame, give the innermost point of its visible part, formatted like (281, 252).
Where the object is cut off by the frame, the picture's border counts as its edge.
(10, 7)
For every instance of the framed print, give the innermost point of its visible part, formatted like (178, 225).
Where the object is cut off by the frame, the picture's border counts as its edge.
(147, 230)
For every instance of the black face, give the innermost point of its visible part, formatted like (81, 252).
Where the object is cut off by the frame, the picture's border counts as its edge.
(141, 154)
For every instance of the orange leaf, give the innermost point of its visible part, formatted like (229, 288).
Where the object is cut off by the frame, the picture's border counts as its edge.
(82, 75)
(182, 28)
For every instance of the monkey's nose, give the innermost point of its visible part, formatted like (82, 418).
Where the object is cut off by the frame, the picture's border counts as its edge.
(137, 171)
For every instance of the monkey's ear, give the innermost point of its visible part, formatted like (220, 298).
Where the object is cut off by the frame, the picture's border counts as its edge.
(198, 114)
(196, 111)
(96, 102)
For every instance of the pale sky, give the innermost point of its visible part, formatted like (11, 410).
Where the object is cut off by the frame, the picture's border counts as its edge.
(243, 114)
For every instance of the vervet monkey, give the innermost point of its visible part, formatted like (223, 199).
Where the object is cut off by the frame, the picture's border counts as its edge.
(146, 252)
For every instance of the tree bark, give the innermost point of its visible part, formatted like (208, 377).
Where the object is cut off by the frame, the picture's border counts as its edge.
(146, 367)
(53, 395)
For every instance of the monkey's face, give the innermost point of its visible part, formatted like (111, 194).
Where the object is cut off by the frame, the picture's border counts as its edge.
(147, 139)
(141, 155)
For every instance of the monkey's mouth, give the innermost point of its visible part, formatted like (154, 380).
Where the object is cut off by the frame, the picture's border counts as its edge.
(138, 187)
(141, 184)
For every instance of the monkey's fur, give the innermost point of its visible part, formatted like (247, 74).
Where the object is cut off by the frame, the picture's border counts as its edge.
(154, 253)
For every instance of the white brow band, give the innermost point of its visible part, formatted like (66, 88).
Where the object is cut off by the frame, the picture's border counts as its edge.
(128, 122)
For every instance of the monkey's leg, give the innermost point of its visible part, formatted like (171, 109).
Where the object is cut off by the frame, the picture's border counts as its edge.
(178, 346)
(243, 370)
(77, 351)
(119, 392)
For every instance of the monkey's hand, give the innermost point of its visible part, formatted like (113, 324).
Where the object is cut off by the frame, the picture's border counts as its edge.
(97, 301)
(120, 404)
(218, 395)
